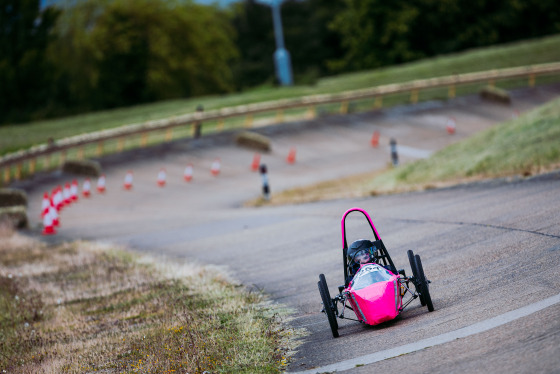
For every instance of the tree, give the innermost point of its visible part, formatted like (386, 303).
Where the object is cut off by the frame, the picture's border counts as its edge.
(125, 52)
(25, 75)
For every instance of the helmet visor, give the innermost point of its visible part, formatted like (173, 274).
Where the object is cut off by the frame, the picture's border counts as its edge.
(362, 257)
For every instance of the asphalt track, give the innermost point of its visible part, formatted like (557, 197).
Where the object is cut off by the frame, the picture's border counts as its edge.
(491, 249)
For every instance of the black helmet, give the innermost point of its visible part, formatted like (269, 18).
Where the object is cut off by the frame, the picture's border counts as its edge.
(359, 250)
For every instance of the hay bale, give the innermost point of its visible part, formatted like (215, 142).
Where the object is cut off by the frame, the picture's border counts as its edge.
(495, 94)
(253, 140)
(12, 197)
(14, 216)
(82, 167)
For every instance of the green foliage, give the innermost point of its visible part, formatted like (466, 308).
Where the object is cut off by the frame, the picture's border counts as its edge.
(126, 52)
(308, 39)
(377, 33)
(25, 75)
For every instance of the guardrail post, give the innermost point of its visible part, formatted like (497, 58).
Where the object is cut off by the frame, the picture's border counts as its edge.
(279, 116)
(344, 107)
(120, 144)
(220, 125)
(19, 167)
(311, 112)
(7, 174)
(143, 139)
(81, 153)
(414, 96)
(99, 149)
(491, 83)
(168, 134)
(531, 80)
(62, 157)
(451, 91)
(378, 103)
(249, 120)
(32, 164)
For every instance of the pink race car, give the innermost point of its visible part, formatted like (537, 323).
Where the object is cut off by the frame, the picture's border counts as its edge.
(373, 288)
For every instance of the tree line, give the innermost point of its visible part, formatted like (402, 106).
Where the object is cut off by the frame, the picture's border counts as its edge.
(98, 54)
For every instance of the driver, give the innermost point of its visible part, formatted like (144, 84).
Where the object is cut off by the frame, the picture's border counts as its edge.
(360, 252)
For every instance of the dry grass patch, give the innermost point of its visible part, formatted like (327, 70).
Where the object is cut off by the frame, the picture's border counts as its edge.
(341, 188)
(81, 307)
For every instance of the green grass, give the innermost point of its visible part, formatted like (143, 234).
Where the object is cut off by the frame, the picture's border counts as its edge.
(524, 146)
(83, 308)
(543, 50)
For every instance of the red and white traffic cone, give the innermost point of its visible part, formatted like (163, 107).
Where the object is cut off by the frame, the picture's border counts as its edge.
(375, 139)
(256, 162)
(48, 226)
(74, 190)
(58, 199)
(86, 188)
(215, 169)
(188, 174)
(101, 184)
(128, 179)
(161, 177)
(451, 125)
(45, 204)
(54, 215)
(291, 156)
(66, 194)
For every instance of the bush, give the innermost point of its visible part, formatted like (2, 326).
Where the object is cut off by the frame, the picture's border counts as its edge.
(12, 197)
(495, 94)
(253, 140)
(14, 216)
(82, 167)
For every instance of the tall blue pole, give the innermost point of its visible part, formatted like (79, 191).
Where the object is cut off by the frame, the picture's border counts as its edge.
(282, 63)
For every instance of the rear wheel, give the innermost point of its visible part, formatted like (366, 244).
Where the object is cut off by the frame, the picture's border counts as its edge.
(416, 275)
(424, 284)
(328, 304)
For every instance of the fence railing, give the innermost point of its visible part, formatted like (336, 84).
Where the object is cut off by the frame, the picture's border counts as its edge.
(16, 165)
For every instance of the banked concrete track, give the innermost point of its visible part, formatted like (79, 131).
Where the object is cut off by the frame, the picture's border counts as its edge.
(489, 248)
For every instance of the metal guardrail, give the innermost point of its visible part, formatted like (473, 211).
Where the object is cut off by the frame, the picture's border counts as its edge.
(13, 164)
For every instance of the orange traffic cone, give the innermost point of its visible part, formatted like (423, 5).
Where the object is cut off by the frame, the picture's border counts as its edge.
(375, 139)
(86, 188)
(188, 173)
(256, 162)
(451, 126)
(215, 169)
(128, 178)
(48, 227)
(46, 203)
(161, 177)
(101, 184)
(291, 156)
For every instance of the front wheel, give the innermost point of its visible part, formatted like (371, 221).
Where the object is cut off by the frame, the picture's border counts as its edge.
(328, 305)
(424, 285)
(416, 275)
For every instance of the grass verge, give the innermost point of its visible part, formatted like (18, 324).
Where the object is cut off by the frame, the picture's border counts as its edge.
(524, 146)
(537, 51)
(83, 308)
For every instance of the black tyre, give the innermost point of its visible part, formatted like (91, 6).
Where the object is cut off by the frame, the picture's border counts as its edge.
(425, 288)
(328, 304)
(417, 282)
(323, 281)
